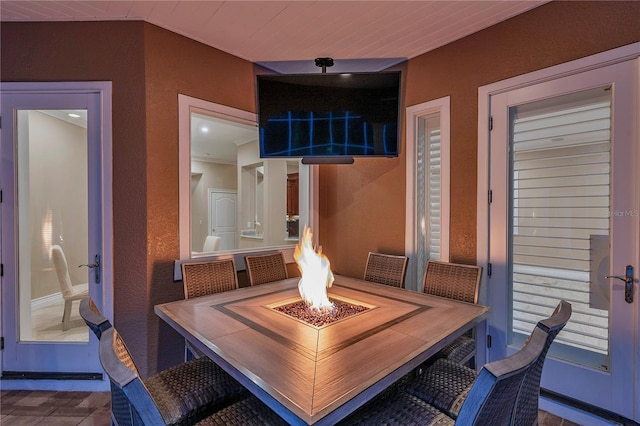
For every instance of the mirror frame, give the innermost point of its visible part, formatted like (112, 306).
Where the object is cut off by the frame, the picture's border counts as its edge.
(187, 105)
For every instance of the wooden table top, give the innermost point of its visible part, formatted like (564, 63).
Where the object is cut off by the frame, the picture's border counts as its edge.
(318, 375)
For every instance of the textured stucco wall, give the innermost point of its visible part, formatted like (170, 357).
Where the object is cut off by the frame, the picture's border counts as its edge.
(173, 65)
(363, 205)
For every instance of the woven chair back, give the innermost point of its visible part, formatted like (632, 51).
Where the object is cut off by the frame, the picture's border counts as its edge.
(386, 269)
(266, 268)
(205, 278)
(452, 280)
(131, 403)
(492, 397)
(526, 413)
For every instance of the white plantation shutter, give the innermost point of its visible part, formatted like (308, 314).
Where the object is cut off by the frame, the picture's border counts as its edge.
(434, 191)
(560, 206)
(429, 190)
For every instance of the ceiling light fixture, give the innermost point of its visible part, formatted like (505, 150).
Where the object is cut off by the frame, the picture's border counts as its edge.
(73, 115)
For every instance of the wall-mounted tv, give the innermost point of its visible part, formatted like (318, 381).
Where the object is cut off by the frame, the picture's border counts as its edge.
(329, 115)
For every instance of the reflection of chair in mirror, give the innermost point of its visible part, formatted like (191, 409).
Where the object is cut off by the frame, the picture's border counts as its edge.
(211, 243)
(69, 292)
(266, 268)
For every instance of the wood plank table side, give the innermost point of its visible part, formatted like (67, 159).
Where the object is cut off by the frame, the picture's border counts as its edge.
(319, 375)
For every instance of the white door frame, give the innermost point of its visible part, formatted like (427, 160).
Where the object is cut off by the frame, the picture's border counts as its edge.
(626, 53)
(103, 90)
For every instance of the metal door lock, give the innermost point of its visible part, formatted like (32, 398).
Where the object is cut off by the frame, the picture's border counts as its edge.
(628, 283)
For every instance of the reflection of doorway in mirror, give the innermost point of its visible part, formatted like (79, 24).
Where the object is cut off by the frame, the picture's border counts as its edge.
(222, 217)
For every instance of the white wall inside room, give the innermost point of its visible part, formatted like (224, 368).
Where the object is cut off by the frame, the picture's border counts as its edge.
(205, 176)
(57, 169)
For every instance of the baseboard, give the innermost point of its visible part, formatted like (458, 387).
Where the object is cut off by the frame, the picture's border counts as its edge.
(43, 375)
(57, 385)
(44, 301)
(580, 412)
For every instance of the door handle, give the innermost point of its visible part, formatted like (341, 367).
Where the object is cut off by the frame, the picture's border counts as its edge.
(95, 266)
(628, 283)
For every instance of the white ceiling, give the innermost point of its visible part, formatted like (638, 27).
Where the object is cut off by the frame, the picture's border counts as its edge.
(286, 36)
(216, 140)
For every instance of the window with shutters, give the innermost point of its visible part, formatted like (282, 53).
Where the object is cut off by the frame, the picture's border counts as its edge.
(427, 184)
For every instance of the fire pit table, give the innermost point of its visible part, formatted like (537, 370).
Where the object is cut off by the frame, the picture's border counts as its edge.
(319, 372)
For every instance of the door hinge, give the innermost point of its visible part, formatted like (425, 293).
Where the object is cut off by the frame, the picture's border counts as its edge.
(1, 269)
(490, 122)
(1, 343)
(488, 341)
(490, 196)
(489, 269)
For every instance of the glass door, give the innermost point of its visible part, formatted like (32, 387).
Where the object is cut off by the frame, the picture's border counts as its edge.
(565, 191)
(52, 151)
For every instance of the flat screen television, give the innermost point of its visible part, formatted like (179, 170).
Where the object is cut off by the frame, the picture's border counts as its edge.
(329, 115)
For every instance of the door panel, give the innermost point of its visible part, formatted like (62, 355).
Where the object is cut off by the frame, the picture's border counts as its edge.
(564, 216)
(53, 180)
(222, 220)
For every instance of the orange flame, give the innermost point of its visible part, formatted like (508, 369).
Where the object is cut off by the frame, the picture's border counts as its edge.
(316, 274)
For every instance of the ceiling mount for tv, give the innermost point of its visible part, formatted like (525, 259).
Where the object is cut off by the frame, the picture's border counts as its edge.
(324, 63)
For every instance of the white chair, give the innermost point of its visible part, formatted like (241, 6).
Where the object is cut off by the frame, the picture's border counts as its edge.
(69, 292)
(211, 243)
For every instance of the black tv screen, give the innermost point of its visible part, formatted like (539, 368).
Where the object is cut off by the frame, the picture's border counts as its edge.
(329, 115)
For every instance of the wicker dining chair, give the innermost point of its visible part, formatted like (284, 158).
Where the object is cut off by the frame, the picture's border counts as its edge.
(265, 268)
(527, 408)
(446, 384)
(181, 395)
(491, 399)
(203, 279)
(210, 277)
(386, 269)
(93, 317)
(460, 282)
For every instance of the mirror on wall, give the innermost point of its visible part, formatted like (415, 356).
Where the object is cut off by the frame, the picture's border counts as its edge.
(238, 200)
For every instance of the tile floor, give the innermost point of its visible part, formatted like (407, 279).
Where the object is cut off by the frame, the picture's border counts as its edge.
(19, 408)
(55, 408)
